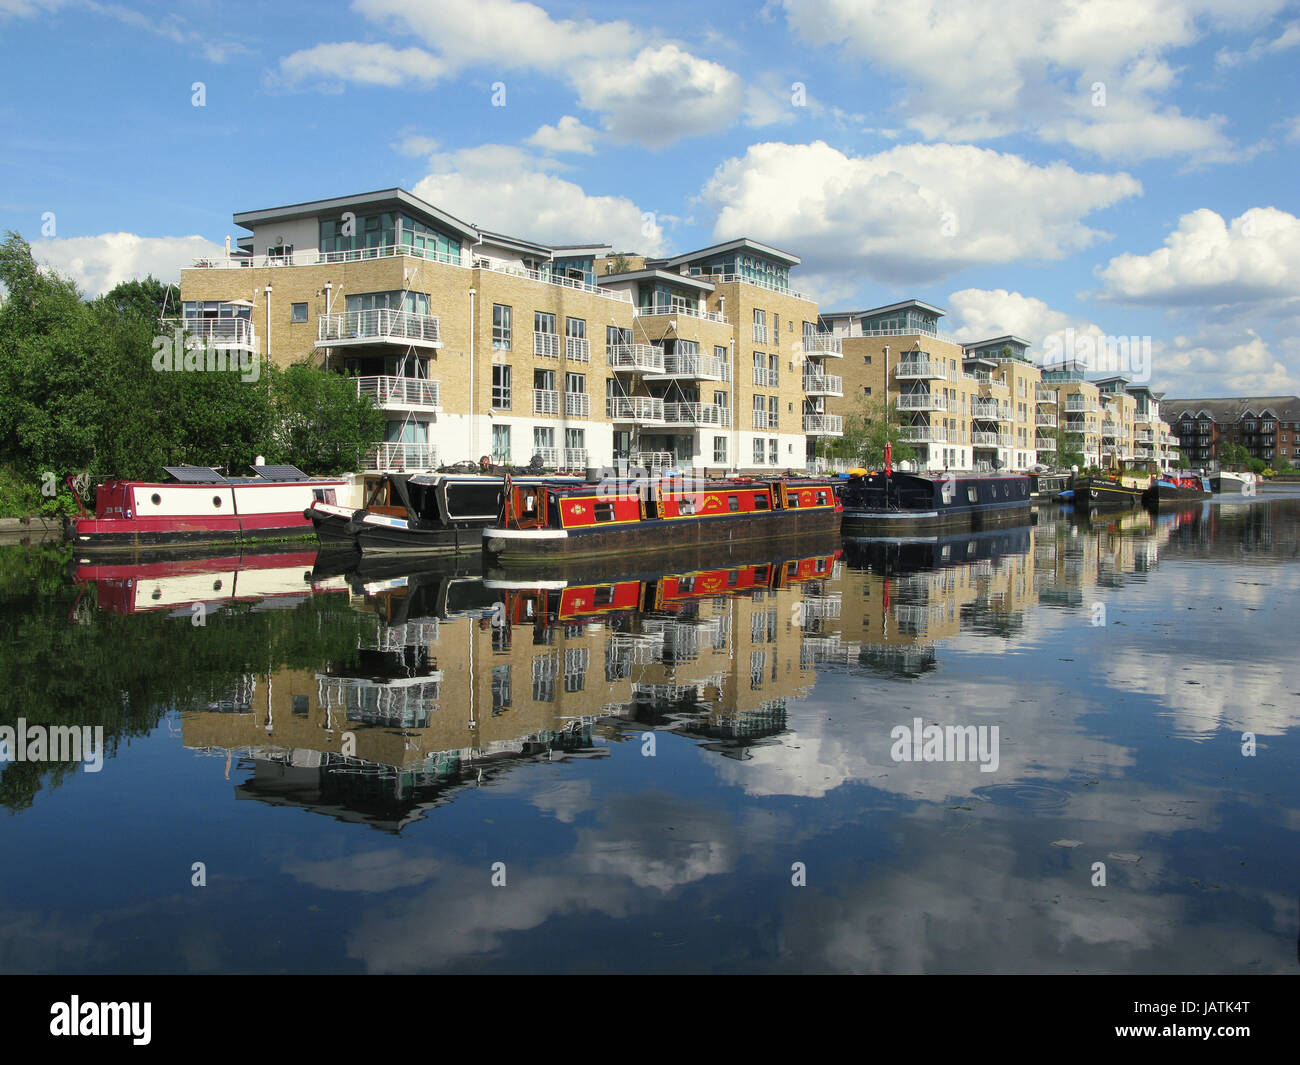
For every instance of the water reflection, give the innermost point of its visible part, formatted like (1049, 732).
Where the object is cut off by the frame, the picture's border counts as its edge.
(470, 717)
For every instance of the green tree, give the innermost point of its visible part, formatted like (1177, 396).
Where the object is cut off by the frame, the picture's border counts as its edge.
(148, 299)
(1233, 455)
(320, 423)
(1069, 448)
(866, 431)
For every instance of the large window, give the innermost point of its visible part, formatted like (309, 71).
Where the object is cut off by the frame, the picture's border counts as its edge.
(501, 444)
(501, 327)
(758, 451)
(773, 452)
(720, 449)
(501, 387)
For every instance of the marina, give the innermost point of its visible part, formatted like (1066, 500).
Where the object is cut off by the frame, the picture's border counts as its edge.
(357, 737)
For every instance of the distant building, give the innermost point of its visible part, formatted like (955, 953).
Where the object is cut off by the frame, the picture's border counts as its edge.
(1268, 427)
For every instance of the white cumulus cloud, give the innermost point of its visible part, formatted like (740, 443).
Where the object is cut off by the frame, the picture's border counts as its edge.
(96, 264)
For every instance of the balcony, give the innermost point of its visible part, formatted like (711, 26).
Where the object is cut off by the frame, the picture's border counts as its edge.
(765, 420)
(1044, 395)
(1142, 453)
(546, 401)
(1045, 443)
(923, 434)
(234, 333)
(921, 369)
(654, 461)
(385, 455)
(823, 385)
(1109, 428)
(636, 358)
(697, 414)
(990, 410)
(691, 366)
(1080, 405)
(577, 349)
(546, 345)
(577, 405)
(575, 458)
(923, 401)
(401, 393)
(679, 311)
(760, 334)
(984, 439)
(823, 425)
(765, 378)
(550, 456)
(643, 410)
(381, 325)
(1044, 420)
(823, 346)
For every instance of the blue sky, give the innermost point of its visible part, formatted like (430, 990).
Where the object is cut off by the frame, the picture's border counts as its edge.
(1124, 168)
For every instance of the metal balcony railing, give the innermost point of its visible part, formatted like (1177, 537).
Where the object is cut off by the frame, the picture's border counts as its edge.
(380, 325)
(636, 358)
(398, 455)
(546, 401)
(643, 409)
(401, 392)
(546, 344)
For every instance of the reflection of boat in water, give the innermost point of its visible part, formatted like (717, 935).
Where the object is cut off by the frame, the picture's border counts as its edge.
(901, 555)
(880, 505)
(280, 578)
(650, 515)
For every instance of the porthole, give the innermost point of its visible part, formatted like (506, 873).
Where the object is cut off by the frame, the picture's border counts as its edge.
(216, 501)
(216, 585)
(155, 499)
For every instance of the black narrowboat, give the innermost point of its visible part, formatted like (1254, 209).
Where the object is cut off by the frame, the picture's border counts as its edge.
(904, 503)
(1177, 486)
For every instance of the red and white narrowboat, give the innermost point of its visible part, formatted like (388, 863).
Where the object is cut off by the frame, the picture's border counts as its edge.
(199, 506)
(555, 521)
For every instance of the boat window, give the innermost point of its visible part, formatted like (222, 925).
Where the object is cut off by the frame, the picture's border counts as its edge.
(760, 501)
(604, 595)
(155, 499)
(733, 503)
(604, 512)
(792, 499)
(971, 495)
(685, 506)
(216, 501)
(821, 498)
(733, 575)
(761, 574)
(471, 499)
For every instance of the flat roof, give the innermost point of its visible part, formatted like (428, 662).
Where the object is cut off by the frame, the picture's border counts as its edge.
(663, 275)
(1010, 338)
(904, 304)
(731, 245)
(311, 208)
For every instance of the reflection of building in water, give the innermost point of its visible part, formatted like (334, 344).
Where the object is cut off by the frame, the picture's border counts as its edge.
(902, 597)
(1076, 558)
(430, 703)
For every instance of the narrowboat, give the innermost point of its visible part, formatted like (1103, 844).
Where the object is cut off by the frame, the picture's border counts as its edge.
(1122, 491)
(1177, 486)
(554, 521)
(902, 503)
(427, 512)
(1045, 487)
(200, 506)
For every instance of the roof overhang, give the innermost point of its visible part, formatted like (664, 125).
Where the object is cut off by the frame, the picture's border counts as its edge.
(740, 244)
(360, 202)
(667, 276)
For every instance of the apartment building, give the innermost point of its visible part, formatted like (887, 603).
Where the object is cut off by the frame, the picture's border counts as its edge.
(477, 343)
(1154, 441)
(963, 406)
(1078, 408)
(1268, 427)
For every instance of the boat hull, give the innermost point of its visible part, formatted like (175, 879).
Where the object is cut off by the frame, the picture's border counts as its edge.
(1089, 493)
(378, 533)
(507, 547)
(1165, 494)
(906, 503)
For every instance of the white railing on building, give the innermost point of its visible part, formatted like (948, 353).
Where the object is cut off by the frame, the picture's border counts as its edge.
(635, 409)
(1045, 419)
(693, 365)
(637, 358)
(765, 420)
(1044, 443)
(575, 458)
(911, 369)
(922, 401)
(546, 401)
(577, 349)
(697, 414)
(401, 391)
(760, 334)
(923, 434)
(823, 385)
(675, 311)
(822, 345)
(823, 424)
(766, 378)
(218, 332)
(378, 325)
(577, 405)
(400, 455)
(550, 456)
(984, 439)
(546, 344)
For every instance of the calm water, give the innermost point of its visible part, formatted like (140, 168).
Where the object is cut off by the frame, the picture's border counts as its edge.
(668, 774)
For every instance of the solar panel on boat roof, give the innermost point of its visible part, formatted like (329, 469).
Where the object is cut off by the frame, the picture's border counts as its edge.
(280, 473)
(194, 474)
